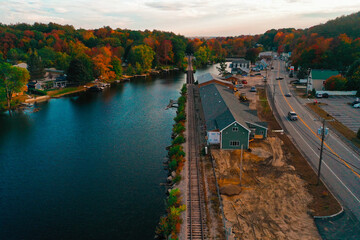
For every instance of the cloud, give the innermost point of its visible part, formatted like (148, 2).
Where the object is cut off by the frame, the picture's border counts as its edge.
(188, 17)
(166, 6)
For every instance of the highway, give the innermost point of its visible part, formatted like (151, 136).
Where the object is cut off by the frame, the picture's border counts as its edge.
(340, 169)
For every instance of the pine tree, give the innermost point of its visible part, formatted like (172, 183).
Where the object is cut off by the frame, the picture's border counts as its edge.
(35, 67)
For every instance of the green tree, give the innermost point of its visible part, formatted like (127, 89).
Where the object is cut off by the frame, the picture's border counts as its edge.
(222, 69)
(80, 70)
(35, 67)
(302, 73)
(203, 56)
(12, 80)
(353, 76)
(116, 66)
(144, 55)
(48, 56)
(62, 61)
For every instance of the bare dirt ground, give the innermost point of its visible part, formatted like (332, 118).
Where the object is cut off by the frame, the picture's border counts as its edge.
(272, 202)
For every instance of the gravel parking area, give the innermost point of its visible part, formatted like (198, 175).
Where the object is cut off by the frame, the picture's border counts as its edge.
(338, 107)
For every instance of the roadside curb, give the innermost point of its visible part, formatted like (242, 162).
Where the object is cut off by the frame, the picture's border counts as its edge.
(334, 216)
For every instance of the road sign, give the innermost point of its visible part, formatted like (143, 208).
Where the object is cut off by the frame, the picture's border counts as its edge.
(320, 130)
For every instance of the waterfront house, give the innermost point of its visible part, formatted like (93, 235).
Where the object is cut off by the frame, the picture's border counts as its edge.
(229, 123)
(240, 66)
(317, 78)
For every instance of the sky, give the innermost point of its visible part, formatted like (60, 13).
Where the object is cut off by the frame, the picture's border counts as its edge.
(186, 17)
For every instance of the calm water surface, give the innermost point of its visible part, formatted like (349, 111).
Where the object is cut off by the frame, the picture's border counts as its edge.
(88, 166)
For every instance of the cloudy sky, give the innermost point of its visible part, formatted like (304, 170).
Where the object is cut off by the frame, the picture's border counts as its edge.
(187, 17)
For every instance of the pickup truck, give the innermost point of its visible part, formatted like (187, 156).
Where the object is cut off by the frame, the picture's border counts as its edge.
(292, 116)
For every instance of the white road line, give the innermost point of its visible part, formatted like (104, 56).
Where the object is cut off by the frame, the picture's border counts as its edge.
(337, 140)
(323, 160)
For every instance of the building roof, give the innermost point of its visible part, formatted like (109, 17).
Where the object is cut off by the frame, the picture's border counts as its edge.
(322, 74)
(217, 114)
(240, 60)
(241, 111)
(221, 108)
(209, 77)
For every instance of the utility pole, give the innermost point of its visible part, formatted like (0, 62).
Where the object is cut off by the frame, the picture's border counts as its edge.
(241, 158)
(307, 83)
(321, 150)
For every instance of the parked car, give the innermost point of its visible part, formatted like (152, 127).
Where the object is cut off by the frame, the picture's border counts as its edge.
(253, 89)
(288, 95)
(292, 116)
(279, 78)
(257, 74)
(325, 95)
(355, 102)
(244, 82)
(318, 95)
(239, 85)
(357, 105)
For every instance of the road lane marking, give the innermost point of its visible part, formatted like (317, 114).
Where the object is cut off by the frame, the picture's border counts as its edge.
(327, 166)
(325, 144)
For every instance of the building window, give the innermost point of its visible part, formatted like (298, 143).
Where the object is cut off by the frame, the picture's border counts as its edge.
(235, 129)
(261, 132)
(234, 143)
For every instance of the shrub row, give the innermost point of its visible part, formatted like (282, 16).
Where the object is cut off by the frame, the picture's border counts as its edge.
(169, 226)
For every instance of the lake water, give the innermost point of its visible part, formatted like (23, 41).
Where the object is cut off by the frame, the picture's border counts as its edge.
(88, 166)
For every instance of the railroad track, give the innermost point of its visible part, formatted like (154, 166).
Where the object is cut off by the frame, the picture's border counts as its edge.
(195, 204)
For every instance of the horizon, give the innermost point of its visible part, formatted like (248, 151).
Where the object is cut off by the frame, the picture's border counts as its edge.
(197, 18)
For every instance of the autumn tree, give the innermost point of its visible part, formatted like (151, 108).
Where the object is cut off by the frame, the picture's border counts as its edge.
(335, 83)
(12, 80)
(165, 51)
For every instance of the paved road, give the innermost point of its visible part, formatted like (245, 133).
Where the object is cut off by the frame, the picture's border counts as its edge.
(341, 166)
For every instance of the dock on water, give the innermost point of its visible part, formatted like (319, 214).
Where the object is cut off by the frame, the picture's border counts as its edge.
(172, 104)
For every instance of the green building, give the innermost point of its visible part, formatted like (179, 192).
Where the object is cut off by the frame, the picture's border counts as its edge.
(229, 123)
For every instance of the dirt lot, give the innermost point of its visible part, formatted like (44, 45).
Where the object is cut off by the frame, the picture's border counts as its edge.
(272, 202)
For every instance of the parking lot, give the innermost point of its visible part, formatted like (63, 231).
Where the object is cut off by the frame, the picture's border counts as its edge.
(338, 107)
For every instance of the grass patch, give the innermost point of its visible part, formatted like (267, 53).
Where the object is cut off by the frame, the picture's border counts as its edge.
(64, 91)
(341, 128)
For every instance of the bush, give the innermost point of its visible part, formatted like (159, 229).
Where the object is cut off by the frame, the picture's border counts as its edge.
(180, 117)
(183, 89)
(181, 100)
(38, 92)
(177, 178)
(178, 128)
(178, 140)
(173, 165)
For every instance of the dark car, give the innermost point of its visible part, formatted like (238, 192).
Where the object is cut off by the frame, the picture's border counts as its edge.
(325, 95)
(287, 95)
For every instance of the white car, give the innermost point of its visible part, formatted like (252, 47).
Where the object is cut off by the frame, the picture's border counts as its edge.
(357, 105)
